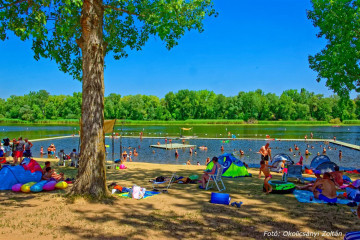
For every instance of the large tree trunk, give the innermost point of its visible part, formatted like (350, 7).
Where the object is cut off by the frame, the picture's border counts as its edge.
(91, 179)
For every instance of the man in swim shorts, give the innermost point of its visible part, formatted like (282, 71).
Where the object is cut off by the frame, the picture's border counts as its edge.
(325, 190)
(18, 154)
(264, 151)
(265, 169)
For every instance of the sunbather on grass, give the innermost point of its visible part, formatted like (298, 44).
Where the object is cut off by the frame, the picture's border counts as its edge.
(325, 190)
(309, 186)
(205, 177)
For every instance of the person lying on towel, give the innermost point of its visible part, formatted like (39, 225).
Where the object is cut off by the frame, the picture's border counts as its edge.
(325, 190)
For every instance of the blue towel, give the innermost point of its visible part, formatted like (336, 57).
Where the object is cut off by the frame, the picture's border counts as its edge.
(310, 179)
(304, 197)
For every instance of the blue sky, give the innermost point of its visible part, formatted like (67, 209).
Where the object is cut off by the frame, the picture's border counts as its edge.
(250, 45)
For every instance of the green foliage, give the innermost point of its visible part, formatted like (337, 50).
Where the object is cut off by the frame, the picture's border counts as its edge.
(201, 107)
(338, 63)
(355, 122)
(335, 121)
(54, 26)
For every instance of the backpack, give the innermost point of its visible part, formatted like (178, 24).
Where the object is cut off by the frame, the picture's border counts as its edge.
(160, 179)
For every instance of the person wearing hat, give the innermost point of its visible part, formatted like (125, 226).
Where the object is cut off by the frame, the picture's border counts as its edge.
(7, 147)
(309, 186)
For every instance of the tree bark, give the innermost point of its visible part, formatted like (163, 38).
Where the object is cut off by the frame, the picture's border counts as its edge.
(91, 178)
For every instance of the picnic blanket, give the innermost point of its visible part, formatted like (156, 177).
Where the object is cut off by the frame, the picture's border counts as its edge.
(303, 196)
(147, 194)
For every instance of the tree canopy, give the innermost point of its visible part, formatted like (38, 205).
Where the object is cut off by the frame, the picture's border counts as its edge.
(339, 23)
(78, 34)
(54, 26)
(188, 104)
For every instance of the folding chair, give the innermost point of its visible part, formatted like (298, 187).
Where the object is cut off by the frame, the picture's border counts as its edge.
(294, 171)
(169, 181)
(216, 178)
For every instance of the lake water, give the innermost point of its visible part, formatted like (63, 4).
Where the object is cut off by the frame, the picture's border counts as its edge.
(349, 134)
(351, 158)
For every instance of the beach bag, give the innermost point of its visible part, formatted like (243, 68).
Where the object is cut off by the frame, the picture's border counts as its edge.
(160, 179)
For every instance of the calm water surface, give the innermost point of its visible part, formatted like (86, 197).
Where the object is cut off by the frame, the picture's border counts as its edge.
(350, 134)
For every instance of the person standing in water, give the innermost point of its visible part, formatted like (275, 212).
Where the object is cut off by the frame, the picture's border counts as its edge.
(264, 151)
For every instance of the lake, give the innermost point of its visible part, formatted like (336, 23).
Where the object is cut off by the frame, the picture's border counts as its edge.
(351, 158)
(349, 134)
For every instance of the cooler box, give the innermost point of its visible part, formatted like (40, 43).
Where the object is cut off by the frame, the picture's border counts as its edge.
(220, 198)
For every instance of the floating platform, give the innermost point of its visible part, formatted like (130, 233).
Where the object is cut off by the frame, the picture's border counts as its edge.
(173, 146)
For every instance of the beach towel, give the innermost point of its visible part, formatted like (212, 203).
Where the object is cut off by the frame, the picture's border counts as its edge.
(310, 179)
(147, 194)
(303, 196)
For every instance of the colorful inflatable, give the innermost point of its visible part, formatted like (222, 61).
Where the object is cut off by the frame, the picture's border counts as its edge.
(29, 171)
(38, 187)
(281, 187)
(61, 185)
(49, 186)
(16, 187)
(26, 187)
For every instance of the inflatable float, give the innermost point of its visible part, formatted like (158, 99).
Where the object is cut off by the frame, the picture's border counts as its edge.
(28, 171)
(281, 187)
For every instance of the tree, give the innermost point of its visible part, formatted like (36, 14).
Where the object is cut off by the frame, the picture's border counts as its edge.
(78, 34)
(338, 62)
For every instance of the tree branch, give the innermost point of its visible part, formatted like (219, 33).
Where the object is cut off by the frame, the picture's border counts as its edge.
(121, 10)
(9, 5)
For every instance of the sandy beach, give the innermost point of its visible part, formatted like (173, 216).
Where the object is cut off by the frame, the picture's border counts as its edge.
(183, 213)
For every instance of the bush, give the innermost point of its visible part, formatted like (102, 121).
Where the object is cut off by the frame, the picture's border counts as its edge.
(335, 121)
(252, 121)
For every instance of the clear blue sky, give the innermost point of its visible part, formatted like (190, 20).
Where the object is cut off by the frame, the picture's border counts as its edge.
(251, 44)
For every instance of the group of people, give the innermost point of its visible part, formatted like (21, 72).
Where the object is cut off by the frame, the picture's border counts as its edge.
(15, 148)
(51, 150)
(50, 174)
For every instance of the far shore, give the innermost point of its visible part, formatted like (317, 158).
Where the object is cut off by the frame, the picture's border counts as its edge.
(197, 122)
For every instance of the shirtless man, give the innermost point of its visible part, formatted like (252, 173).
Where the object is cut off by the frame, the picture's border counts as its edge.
(265, 169)
(324, 189)
(337, 176)
(264, 153)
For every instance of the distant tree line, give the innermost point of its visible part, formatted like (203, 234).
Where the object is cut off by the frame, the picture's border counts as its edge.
(187, 104)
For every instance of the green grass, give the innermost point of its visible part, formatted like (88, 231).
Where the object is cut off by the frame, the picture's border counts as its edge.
(42, 121)
(293, 122)
(355, 122)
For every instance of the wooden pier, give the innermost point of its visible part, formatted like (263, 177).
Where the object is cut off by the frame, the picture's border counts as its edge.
(173, 146)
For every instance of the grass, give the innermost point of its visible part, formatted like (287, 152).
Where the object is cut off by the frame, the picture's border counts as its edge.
(183, 213)
(354, 122)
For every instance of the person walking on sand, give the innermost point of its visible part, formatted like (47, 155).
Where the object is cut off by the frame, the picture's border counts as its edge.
(265, 169)
(264, 151)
